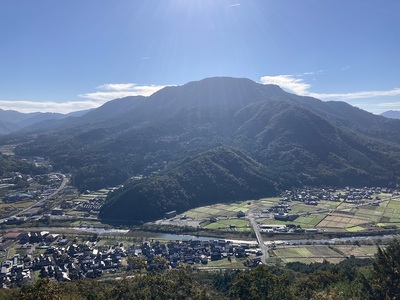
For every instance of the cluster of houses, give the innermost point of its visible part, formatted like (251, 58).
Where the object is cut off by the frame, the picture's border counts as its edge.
(91, 206)
(15, 271)
(189, 252)
(52, 182)
(281, 212)
(59, 259)
(350, 195)
(66, 260)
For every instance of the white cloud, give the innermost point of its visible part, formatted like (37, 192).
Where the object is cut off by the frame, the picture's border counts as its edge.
(106, 93)
(46, 106)
(287, 82)
(119, 90)
(390, 105)
(300, 87)
(357, 95)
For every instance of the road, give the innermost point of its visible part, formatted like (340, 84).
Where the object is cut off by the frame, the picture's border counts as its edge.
(260, 241)
(60, 188)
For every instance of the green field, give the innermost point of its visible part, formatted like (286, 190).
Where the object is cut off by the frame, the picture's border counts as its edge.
(225, 263)
(358, 251)
(218, 210)
(308, 254)
(225, 224)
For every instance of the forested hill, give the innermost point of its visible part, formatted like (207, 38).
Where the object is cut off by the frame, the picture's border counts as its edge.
(218, 175)
(300, 140)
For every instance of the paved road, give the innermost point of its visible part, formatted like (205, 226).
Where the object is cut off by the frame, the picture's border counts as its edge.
(256, 229)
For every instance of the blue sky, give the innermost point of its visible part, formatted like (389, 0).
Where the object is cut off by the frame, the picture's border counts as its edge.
(63, 56)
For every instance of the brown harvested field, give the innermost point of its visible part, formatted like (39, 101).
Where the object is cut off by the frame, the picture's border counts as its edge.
(363, 251)
(341, 221)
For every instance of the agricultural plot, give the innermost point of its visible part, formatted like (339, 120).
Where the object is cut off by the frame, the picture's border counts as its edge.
(300, 207)
(309, 221)
(392, 211)
(355, 229)
(342, 221)
(218, 210)
(224, 224)
(204, 212)
(363, 251)
(328, 205)
(308, 254)
(225, 263)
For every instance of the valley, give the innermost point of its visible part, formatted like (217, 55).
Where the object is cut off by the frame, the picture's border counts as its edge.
(304, 225)
(231, 174)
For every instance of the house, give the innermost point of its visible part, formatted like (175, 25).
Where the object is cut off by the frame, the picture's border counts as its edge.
(57, 211)
(240, 214)
(170, 214)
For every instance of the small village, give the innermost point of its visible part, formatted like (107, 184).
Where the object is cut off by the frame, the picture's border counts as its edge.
(63, 259)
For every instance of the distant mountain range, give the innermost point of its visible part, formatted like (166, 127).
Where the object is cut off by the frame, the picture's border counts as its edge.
(393, 114)
(12, 121)
(217, 139)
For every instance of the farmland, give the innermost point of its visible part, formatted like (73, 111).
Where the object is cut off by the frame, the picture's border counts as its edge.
(318, 253)
(325, 216)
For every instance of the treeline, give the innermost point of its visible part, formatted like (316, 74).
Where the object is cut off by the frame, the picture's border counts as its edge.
(375, 279)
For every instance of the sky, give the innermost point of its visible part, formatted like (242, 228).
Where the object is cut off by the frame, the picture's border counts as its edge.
(63, 56)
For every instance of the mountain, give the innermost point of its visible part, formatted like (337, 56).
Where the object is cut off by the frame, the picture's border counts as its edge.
(13, 121)
(226, 174)
(297, 140)
(392, 114)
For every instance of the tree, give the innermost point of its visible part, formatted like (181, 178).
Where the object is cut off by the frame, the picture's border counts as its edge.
(136, 263)
(260, 283)
(385, 281)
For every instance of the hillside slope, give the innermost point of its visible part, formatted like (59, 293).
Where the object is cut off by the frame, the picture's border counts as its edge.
(218, 175)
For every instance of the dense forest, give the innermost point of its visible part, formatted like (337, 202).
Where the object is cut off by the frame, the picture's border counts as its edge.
(226, 174)
(376, 279)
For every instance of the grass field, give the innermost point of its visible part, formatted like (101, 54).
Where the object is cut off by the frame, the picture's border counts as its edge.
(240, 224)
(225, 263)
(308, 254)
(358, 251)
(309, 221)
(218, 210)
